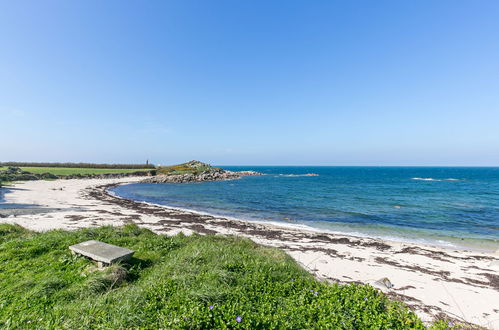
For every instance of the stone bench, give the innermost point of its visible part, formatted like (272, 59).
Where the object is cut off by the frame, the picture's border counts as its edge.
(105, 254)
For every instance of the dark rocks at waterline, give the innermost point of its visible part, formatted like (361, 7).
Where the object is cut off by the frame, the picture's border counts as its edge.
(212, 175)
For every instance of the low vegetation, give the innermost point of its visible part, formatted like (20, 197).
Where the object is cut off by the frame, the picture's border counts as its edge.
(184, 282)
(47, 171)
(11, 173)
(78, 165)
(192, 167)
(79, 171)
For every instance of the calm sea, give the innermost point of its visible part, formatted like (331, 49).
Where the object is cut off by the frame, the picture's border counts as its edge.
(454, 207)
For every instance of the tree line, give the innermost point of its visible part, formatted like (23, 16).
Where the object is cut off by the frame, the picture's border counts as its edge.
(78, 165)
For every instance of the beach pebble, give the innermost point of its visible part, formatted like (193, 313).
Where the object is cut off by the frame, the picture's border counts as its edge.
(383, 284)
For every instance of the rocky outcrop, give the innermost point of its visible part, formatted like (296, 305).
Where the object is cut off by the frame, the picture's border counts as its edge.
(208, 173)
(248, 173)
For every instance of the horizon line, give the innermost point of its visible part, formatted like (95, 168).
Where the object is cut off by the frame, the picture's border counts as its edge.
(492, 166)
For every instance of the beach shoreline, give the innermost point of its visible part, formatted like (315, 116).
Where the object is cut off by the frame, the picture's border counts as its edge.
(452, 243)
(433, 281)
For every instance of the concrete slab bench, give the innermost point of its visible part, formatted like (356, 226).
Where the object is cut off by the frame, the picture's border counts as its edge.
(105, 254)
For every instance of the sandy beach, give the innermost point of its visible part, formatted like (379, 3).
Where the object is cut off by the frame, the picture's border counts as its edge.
(433, 281)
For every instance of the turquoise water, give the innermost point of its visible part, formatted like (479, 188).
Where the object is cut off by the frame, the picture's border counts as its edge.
(452, 207)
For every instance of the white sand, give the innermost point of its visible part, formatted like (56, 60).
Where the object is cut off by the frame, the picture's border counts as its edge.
(432, 280)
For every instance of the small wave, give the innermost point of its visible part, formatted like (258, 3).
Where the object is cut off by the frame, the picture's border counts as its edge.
(425, 179)
(432, 179)
(296, 175)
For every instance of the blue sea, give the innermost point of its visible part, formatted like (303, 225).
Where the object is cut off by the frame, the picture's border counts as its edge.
(453, 207)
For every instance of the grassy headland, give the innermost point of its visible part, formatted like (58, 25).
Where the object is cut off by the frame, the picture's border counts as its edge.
(192, 167)
(176, 282)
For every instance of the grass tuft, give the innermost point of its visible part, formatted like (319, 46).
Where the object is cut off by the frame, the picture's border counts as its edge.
(111, 277)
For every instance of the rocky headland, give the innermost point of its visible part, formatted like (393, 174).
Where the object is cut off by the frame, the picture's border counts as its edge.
(195, 171)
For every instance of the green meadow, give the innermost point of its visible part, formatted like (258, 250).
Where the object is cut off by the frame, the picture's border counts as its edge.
(180, 282)
(73, 171)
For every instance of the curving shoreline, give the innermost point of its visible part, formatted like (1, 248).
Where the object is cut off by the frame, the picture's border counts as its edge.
(429, 279)
(423, 238)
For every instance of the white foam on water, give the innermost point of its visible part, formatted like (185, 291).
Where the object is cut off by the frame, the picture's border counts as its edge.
(432, 179)
(425, 179)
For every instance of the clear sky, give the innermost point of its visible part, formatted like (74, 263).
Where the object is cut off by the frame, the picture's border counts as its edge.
(250, 82)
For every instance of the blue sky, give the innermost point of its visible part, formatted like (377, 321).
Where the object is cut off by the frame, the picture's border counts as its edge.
(250, 82)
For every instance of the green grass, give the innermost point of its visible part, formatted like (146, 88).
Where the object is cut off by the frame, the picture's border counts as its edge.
(73, 171)
(179, 169)
(171, 283)
(184, 169)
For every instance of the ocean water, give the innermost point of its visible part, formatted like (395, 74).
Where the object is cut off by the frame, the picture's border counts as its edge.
(454, 207)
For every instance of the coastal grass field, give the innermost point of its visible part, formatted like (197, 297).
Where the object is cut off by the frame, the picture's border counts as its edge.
(184, 282)
(74, 171)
